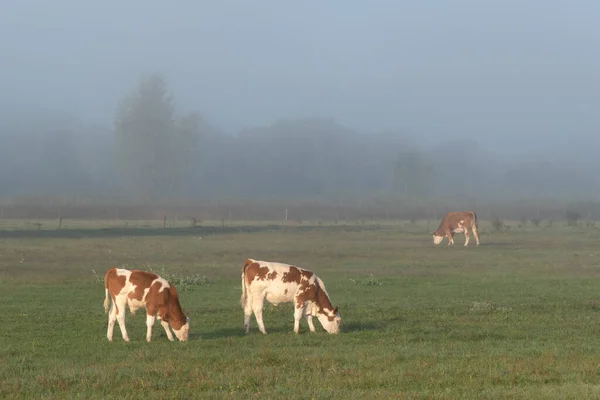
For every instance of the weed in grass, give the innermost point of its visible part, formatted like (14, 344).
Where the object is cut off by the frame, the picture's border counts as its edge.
(370, 281)
(181, 282)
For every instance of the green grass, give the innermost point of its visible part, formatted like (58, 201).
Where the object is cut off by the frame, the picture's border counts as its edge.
(518, 317)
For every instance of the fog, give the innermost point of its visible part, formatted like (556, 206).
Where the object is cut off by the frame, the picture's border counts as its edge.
(476, 99)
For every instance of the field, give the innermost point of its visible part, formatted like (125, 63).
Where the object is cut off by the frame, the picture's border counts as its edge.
(518, 317)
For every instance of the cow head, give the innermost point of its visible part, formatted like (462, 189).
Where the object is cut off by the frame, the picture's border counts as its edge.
(437, 239)
(183, 333)
(330, 320)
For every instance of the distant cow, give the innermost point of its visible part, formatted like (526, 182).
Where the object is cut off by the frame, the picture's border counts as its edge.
(138, 289)
(284, 283)
(456, 222)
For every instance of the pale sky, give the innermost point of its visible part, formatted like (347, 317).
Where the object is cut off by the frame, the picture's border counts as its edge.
(506, 72)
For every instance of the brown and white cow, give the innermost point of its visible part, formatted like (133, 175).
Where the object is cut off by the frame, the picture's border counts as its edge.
(284, 283)
(138, 289)
(456, 222)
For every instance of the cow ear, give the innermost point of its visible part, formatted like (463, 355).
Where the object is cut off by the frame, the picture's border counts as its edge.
(335, 310)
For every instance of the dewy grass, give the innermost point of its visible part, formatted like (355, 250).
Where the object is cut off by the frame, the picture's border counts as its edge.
(517, 317)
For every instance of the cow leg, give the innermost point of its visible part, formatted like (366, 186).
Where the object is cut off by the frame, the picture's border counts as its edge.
(149, 323)
(300, 310)
(257, 306)
(309, 319)
(121, 303)
(476, 234)
(167, 330)
(450, 236)
(112, 318)
(247, 313)
(298, 313)
(467, 237)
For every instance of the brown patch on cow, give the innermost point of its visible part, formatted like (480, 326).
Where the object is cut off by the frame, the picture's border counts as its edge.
(246, 264)
(272, 276)
(114, 283)
(293, 275)
(178, 318)
(308, 292)
(307, 289)
(324, 303)
(254, 270)
(165, 303)
(142, 280)
(285, 291)
(306, 274)
(155, 301)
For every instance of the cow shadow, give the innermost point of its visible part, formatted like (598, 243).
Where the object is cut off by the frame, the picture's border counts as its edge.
(362, 326)
(350, 327)
(498, 244)
(221, 333)
(239, 332)
(373, 325)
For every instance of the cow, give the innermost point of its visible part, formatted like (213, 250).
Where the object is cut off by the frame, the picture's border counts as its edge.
(284, 283)
(138, 289)
(456, 222)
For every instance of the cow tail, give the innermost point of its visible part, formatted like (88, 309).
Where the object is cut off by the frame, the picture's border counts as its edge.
(474, 219)
(106, 296)
(244, 297)
(106, 301)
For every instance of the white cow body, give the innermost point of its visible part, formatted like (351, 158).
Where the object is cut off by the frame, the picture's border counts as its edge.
(284, 283)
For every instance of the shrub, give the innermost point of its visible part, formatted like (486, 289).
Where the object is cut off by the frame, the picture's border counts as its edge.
(572, 217)
(497, 224)
(590, 224)
(181, 282)
(523, 222)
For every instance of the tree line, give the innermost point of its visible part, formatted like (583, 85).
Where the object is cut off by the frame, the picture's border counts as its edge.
(154, 153)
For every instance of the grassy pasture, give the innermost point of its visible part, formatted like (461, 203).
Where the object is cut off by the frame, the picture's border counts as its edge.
(518, 317)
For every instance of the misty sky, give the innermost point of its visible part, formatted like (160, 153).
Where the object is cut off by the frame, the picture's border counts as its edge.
(495, 70)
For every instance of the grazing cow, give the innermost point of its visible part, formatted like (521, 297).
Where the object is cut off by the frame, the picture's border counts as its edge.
(456, 222)
(138, 289)
(283, 283)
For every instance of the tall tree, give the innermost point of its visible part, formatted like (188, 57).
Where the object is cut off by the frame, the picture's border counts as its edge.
(153, 147)
(186, 137)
